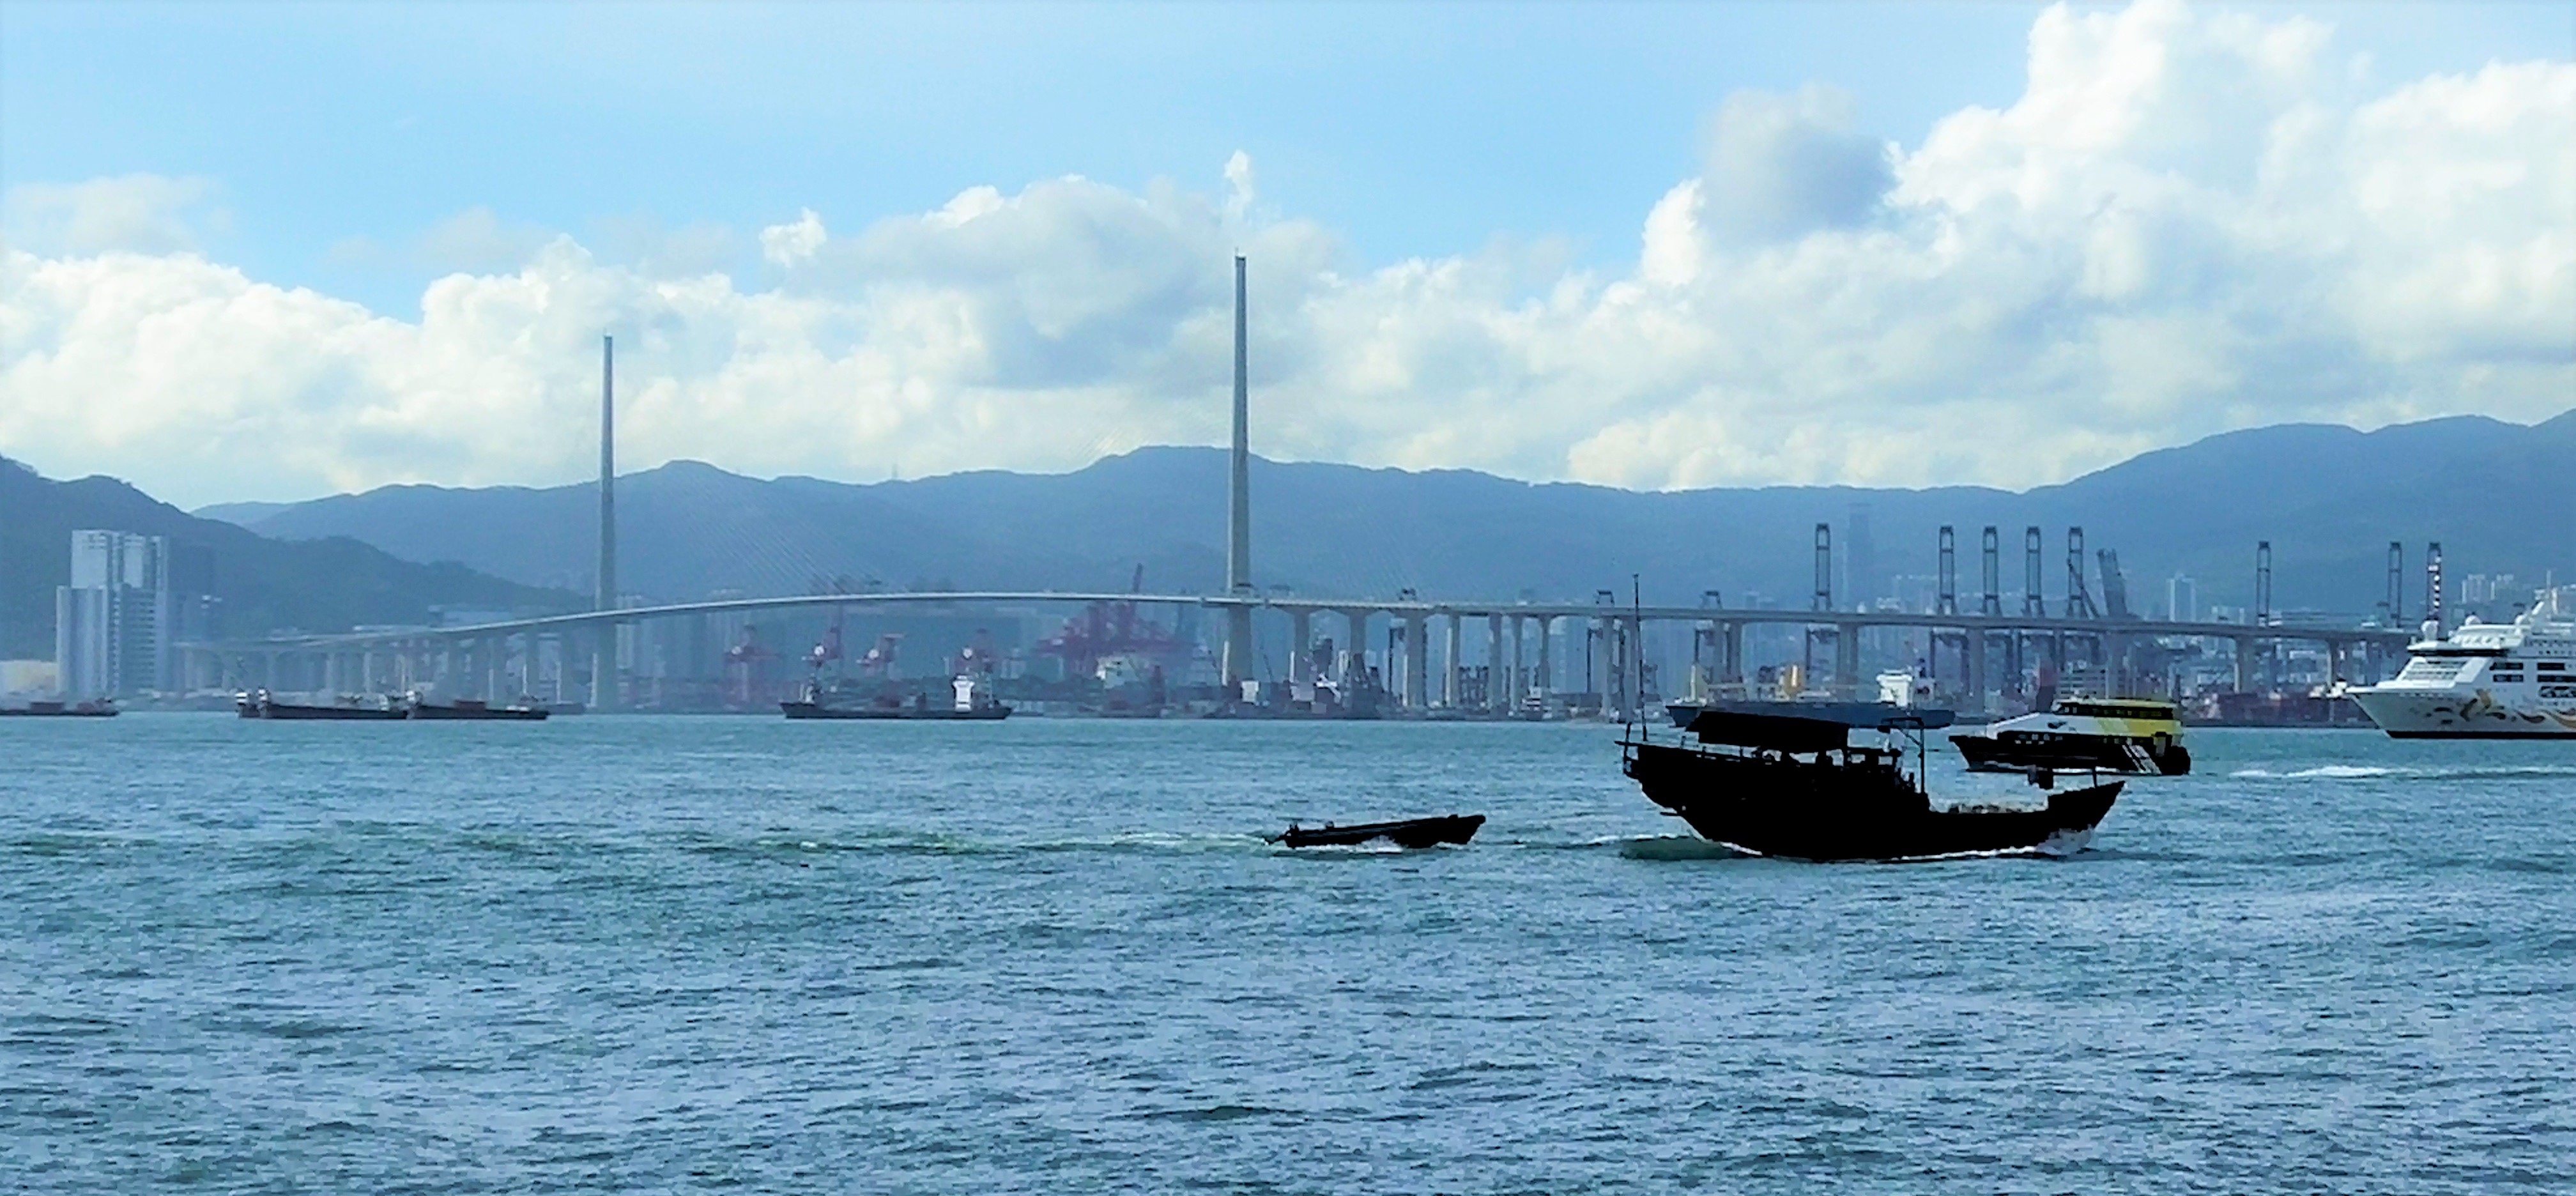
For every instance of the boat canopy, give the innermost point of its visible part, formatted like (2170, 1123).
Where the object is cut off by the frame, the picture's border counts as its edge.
(1806, 726)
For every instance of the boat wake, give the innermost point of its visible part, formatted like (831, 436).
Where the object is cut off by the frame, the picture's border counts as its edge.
(1678, 847)
(2352, 772)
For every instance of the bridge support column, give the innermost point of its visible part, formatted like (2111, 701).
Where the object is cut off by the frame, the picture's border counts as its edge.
(1301, 648)
(1547, 658)
(1847, 658)
(1520, 680)
(1355, 653)
(1730, 664)
(1496, 683)
(1449, 666)
(2244, 663)
(603, 666)
(1975, 643)
(496, 652)
(1417, 662)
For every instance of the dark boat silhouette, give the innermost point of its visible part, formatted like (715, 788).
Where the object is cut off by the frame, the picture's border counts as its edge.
(47, 708)
(259, 703)
(475, 709)
(1783, 779)
(1409, 832)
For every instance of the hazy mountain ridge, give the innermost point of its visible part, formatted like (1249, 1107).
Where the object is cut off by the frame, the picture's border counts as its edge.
(2501, 496)
(317, 584)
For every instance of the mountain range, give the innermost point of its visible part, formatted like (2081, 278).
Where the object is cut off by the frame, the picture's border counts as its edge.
(315, 583)
(2501, 497)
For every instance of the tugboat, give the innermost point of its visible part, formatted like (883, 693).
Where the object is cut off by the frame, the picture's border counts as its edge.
(974, 703)
(260, 703)
(2124, 735)
(1783, 779)
(1408, 833)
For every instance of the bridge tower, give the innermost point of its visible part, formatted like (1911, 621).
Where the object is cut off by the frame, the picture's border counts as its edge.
(603, 643)
(2263, 583)
(1238, 534)
(1948, 601)
(2032, 604)
(1994, 599)
(2396, 602)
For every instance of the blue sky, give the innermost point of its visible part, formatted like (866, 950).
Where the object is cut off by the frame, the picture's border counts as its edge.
(1882, 226)
(1412, 130)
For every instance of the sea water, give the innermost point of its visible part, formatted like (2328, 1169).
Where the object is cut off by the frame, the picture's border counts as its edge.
(677, 954)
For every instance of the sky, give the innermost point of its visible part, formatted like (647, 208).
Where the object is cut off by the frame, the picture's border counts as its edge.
(270, 252)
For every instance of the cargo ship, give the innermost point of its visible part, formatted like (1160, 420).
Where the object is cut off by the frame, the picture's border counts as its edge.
(973, 703)
(46, 708)
(260, 703)
(477, 710)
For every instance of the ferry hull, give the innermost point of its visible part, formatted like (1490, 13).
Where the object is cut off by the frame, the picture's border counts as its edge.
(1809, 812)
(2450, 714)
(1990, 753)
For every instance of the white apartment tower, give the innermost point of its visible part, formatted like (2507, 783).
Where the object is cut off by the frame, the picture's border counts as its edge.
(113, 624)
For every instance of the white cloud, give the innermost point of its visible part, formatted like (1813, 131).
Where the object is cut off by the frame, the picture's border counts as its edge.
(2186, 223)
(142, 213)
(788, 244)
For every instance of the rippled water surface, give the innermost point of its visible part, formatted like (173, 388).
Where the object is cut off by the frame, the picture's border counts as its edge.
(671, 954)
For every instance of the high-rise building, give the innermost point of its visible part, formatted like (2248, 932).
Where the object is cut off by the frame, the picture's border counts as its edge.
(1861, 581)
(2182, 598)
(130, 601)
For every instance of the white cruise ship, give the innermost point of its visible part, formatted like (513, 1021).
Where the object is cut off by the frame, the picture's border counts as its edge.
(2512, 680)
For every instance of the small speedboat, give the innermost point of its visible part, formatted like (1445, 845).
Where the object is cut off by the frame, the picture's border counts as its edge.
(1410, 832)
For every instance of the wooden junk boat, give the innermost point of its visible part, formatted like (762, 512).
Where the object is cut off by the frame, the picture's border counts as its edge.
(1784, 779)
(1410, 832)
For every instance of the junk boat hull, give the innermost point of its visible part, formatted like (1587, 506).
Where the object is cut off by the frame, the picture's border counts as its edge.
(803, 710)
(1410, 833)
(1807, 811)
